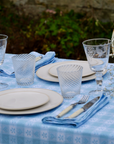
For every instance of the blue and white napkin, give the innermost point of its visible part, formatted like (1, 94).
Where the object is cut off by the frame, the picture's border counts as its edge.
(48, 58)
(81, 119)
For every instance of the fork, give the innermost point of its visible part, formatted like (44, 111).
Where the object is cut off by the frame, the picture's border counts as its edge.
(81, 101)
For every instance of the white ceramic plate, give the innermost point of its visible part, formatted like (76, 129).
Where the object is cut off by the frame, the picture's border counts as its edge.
(55, 100)
(43, 74)
(86, 69)
(22, 100)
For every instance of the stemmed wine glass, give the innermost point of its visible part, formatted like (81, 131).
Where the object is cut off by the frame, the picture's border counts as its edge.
(3, 44)
(97, 53)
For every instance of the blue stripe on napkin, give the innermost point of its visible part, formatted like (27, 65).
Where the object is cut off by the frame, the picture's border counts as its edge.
(48, 58)
(4, 74)
(81, 119)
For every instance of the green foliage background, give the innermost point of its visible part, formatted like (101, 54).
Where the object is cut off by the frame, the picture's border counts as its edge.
(59, 32)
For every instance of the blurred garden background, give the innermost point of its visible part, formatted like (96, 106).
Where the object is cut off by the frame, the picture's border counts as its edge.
(55, 25)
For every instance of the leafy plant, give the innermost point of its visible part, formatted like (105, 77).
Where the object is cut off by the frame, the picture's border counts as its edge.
(64, 31)
(52, 31)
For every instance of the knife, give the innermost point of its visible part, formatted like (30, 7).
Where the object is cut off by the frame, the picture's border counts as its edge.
(70, 107)
(84, 108)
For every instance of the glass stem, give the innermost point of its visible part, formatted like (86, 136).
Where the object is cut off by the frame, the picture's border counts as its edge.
(99, 80)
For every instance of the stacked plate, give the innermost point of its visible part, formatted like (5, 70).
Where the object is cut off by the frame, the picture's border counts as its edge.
(49, 72)
(28, 101)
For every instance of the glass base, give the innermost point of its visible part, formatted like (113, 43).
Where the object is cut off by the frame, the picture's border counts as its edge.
(109, 90)
(96, 93)
(3, 86)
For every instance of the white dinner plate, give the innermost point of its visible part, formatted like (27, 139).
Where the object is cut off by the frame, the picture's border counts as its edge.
(55, 99)
(86, 69)
(43, 74)
(22, 100)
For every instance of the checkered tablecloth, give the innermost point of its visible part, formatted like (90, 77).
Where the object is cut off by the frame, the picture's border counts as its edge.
(29, 129)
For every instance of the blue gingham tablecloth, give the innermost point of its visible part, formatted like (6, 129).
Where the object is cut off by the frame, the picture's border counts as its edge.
(29, 129)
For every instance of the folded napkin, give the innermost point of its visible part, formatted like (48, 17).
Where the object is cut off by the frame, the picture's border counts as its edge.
(5, 74)
(48, 58)
(82, 118)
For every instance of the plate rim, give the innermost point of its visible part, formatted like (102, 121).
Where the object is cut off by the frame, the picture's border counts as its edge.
(16, 109)
(88, 78)
(35, 110)
(73, 62)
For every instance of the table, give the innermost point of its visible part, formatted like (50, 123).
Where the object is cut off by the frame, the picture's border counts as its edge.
(29, 129)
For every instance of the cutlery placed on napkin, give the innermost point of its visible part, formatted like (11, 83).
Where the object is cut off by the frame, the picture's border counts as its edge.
(83, 100)
(48, 58)
(82, 118)
(84, 108)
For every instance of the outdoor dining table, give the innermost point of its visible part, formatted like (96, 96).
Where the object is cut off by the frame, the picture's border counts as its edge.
(29, 129)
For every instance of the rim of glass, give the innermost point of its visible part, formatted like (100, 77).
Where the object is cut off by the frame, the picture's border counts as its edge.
(17, 56)
(62, 66)
(5, 37)
(96, 39)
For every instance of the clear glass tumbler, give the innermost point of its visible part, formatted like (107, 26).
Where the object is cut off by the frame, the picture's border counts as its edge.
(24, 67)
(70, 78)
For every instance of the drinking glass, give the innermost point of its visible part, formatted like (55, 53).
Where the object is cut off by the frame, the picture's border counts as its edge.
(70, 78)
(97, 53)
(3, 44)
(24, 67)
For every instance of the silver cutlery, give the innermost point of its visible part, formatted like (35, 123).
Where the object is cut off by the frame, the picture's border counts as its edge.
(81, 101)
(37, 59)
(84, 108)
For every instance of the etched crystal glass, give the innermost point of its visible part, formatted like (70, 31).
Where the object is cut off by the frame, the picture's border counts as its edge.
(97, 52)
(3, 44)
